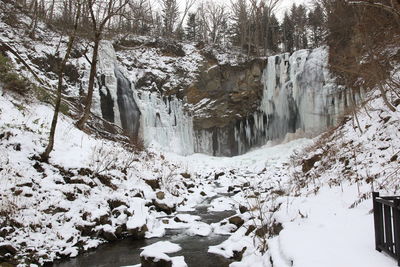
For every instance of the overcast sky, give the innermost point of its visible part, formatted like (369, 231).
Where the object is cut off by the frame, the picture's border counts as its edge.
(285, 4)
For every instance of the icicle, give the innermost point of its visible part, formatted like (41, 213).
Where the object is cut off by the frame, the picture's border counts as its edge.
(166, 124)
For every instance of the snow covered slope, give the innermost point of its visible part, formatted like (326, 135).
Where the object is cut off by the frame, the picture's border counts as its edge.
(310, 205)
(314, 212)
(91, 191)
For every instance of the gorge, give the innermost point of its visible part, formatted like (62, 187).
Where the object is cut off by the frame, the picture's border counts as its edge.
(202, 146)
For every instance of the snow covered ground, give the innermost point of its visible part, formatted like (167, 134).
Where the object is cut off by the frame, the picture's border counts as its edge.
(91, 191)
(304, 203)
(325, 211)
(322, 214)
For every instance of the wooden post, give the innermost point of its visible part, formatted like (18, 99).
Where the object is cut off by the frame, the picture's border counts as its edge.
(396, 226)
(377, 221)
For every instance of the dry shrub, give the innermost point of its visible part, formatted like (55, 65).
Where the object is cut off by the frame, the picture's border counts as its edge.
(11, 19)
(262, 207)
(137, 143)
(170, 179)
(12, 81)
(105, 159)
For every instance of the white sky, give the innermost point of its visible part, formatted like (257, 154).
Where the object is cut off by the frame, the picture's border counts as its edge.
(285, 4)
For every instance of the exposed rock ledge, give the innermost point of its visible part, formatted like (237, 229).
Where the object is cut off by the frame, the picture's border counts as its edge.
(224, 94)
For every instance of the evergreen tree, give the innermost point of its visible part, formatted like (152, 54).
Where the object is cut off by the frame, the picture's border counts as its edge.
(298, 15)
(192, 27)
(240, 16)
(287, 33)
(273, 34)
(316, 22)
(170, 15)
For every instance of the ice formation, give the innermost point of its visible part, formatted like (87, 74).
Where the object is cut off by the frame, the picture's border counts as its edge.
(165, 123)
(161, 122)
(299, 95)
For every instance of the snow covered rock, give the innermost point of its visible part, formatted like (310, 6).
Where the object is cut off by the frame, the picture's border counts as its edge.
(155, 255)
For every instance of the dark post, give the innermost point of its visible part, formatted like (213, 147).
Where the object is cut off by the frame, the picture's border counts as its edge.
(396, 226)
(387, 218)
(377, 221)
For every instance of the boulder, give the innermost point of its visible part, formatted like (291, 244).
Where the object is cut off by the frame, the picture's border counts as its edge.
(154, 262)
(139, 232)
(186, 175)
(238, 255)
(115, 203)
(109, 236)
(154, 184)
(7, 249)
(160, 195)
(243, 209)
(236, 220)
(217, 175)
(163, 207)
(86, 229)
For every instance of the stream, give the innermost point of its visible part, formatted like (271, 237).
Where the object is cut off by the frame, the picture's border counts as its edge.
(126, 252)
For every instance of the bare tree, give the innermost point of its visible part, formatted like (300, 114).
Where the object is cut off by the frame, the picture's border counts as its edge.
(257, 33)
(35, 17)
(101, 12)
(240, 16)
(203, 26)
(45, 155)
(392, 6)
(188, 5)
(270, 7)
(359, 37)
(216, 14)
(140, 13)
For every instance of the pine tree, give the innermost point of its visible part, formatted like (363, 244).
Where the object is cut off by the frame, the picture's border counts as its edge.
(273, 34)
(316, 22)
(287, 33)
(298, 15)
(192, 27)
(170, 15)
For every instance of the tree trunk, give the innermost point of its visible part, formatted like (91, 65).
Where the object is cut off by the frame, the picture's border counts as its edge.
(34, 20)
(50, 145)
(385, 99)
(52, 10)
(45, 155)
(92, 76)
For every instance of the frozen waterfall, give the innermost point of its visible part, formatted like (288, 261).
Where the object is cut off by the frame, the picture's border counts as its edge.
(157, 121)
(165, 123)
(299, 95)
(114, 100)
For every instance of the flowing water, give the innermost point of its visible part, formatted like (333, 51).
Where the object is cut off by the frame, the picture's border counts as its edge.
(127, 252)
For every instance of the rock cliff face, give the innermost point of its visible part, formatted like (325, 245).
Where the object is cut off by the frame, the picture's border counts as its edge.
(222, 109)
(224, 94)
(299, 98)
